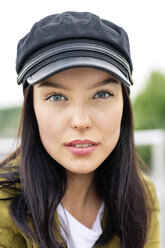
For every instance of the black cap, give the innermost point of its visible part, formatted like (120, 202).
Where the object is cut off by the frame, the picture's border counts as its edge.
(73, 39)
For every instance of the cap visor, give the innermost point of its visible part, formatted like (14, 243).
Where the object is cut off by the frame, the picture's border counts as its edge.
(71, 62)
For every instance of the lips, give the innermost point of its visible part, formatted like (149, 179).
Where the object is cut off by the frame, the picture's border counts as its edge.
(81, 147)
(81, 142)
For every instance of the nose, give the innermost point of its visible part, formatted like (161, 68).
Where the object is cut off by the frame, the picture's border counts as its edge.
(81, 119)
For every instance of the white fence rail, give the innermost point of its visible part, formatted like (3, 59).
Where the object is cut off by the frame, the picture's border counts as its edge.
(156, 139)
(153, 138)
(7, 145)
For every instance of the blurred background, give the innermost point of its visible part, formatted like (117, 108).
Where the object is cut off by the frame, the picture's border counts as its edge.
(144, 22)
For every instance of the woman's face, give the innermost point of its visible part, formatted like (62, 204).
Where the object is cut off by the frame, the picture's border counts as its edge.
(79, 104)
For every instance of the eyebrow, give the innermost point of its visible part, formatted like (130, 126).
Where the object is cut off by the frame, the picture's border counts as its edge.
(59, 86)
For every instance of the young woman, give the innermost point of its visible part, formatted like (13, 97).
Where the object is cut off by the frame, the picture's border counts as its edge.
(74, 180)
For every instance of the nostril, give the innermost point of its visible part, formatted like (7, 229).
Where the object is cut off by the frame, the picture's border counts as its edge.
(81, 124)
(81, 127)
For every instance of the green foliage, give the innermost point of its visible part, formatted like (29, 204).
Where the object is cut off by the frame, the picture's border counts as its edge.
(9, 121)
(149, 110)
(149, 105)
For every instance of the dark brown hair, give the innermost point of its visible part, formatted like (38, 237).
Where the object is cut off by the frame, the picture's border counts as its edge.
(43, 184)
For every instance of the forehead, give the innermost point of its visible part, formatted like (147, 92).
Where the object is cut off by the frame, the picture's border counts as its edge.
(83, 76)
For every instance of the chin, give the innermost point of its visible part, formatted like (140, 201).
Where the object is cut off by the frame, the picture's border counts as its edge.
(81, 171)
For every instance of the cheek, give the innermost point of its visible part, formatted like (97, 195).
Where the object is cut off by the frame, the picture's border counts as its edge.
(110, 117)
(49, 126)
(110, 127)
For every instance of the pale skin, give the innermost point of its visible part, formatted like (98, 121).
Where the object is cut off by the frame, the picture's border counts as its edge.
(79, 103)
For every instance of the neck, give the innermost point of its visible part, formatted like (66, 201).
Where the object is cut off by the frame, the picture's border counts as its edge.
(81, 198)
(80, 191)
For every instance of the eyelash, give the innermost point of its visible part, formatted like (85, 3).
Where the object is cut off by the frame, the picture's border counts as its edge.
(100, 91)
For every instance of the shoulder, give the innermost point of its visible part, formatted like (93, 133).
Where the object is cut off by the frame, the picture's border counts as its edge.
(8, 230)
(153, 237)
(153, 233)
(9, 233)
(151, 195)
(9, 179)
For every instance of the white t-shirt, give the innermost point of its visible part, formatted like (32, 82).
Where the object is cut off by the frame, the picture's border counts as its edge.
(74, 233)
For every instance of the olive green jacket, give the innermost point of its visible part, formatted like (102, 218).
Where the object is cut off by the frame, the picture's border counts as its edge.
(12, 237)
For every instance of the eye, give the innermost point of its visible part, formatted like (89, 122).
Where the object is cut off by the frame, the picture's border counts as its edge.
(56, 97)
(103, 94)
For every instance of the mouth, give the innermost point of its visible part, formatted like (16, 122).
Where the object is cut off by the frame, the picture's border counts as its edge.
(81, 147)
(81, 142)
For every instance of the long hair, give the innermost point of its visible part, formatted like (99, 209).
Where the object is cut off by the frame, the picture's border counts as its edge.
(43, 184)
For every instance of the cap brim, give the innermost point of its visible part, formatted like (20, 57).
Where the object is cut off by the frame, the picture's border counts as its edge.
(71, 62)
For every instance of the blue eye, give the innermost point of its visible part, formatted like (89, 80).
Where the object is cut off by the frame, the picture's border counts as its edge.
(103, 94)
(56, 97)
